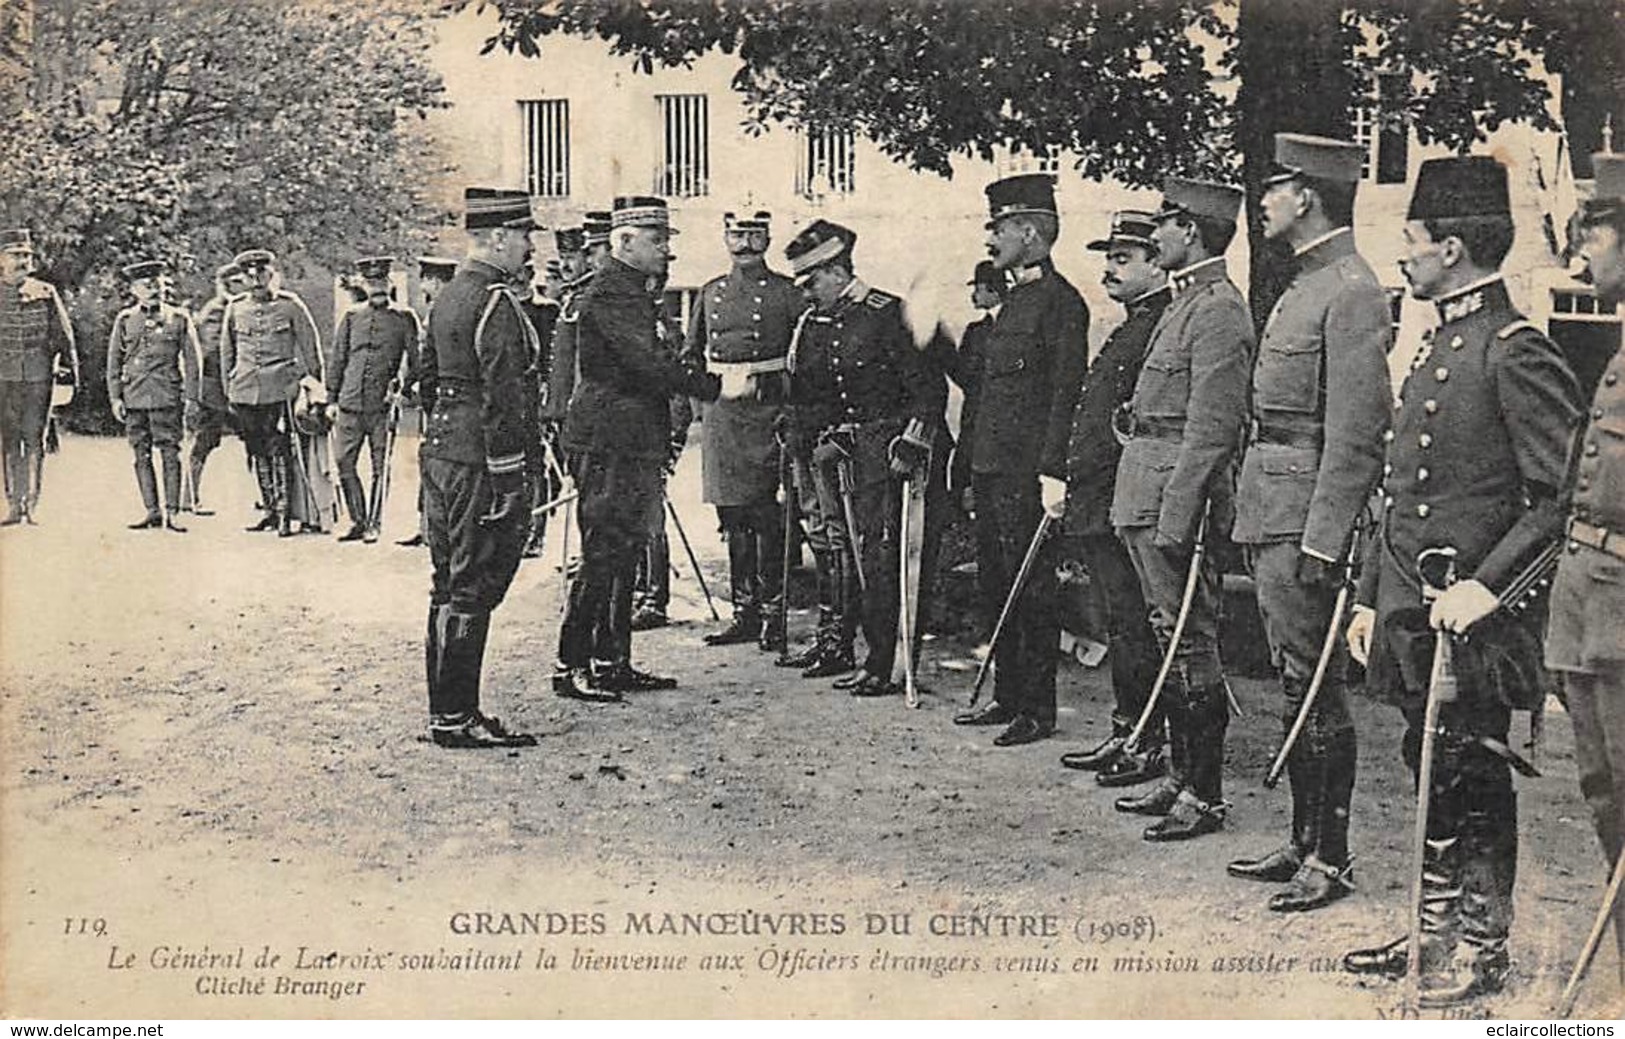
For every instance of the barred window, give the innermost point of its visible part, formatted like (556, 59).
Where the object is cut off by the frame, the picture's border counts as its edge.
(1382, 128)
(1010, 164)
(828, 163)
(547, 147)
(685, 157)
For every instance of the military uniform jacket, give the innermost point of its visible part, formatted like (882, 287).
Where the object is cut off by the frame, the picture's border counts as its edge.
(965, 369)
(1476, 458)
(365, 356)
(744, 317)
(1321, 398)
(1588, 597)
(34, 332)
(1189, 404)
(152, 358)
(621, 406)
(1093, 450)
(266, 347)
(1032, 363)
(561, 375)
(211, 388)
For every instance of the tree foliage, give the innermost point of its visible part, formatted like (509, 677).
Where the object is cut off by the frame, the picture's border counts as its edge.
(195, 129)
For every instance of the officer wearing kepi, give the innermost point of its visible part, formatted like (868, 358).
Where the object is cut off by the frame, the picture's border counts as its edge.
(741, 330)
(364, 376)
(1585, 642)
(1031, 369)
(1134, 279)
(1188, 409)
(213, 413)
(152, 384)
(1475, 464)
(268, 343)
(475, 503)
(36, 349)
(1320, 403)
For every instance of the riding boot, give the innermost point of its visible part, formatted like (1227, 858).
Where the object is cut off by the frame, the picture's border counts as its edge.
(1306, 772)
(1341, 754)
(433, 643)
(1489, 867)
(1440, 916)
(462, 724)
(837, 656)
(171, 460)
(769, 538)
(147, 481)
(355, 500)
(746, 623)
(825, 584)
(265, 475)
(1209, 718)
(279, 496)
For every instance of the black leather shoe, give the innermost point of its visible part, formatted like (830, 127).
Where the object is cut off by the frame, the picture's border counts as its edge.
(1387, 961)
(647, 618)
(624, 678)
(576, 684)
(806, 658)
(478, 733)
(1278, 867)
(1096, 757)
(1024, 729)
(850, 680)
(267, 523)
(1189, 818)
(1132, 769)
(415, 541)
(830, 662)
(171, 524)
(1470, 974)
(201, 510)
(1314, 885)
(13, 517)
(993, 714)
(869, 685)
(152, 522)
(1159, 801)
(739, 632)
(355, 533)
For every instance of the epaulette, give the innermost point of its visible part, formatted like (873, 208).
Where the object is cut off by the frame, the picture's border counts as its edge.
(33, 290)
(880, 300)
(1517, 326)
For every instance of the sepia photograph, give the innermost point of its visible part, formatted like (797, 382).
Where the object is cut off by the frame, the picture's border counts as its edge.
(812, 509)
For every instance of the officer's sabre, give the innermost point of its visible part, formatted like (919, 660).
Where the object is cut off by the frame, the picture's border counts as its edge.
(671, 510)
(911, 694)
(380, 480)
(1016, 585)
(843, 477)
(564, 499)
(1588, 952)
(1327, 648)
(1192, 576)
(298, 450)
(1441, 689)
(188, 485)
(785, 480)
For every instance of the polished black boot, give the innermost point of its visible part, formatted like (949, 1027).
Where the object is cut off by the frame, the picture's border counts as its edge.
(355, 503)
(1099, 756)
(827, 586)
(746, 624)
(1327, 874)
(147, 481)
(264, 475)
(279, 499)
(1441, 898)
(1306, 784)
(1489, 868)
(1133, 767)
(462, 660)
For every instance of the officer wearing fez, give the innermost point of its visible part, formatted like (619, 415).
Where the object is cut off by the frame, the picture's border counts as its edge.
(36, 348)
(741, 331)
(1584, 642)
(364, 374)
(618, 434)
(475, 502)
(1031, 367)
(1475, 463)
(1320, 402)
(1188, 409)
(268, 343)
(152, 383)
(1133, 279)
(858, 390)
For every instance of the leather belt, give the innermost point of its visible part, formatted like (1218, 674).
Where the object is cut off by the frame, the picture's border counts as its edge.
(1282, 436)
(771, 364)
(1610, 542)
(1156, 429)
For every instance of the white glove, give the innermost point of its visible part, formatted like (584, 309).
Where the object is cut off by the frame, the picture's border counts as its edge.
(1361, 625)
(735, 383)
(1052, 493)
(1462, 605)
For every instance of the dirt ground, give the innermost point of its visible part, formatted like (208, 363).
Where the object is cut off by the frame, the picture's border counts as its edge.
(212, 743)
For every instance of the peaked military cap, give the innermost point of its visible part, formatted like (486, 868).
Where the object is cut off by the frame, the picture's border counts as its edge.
(641, 211)
(143, 269)
(988, 276)
(374, 266)
(1608, 186)
(227, 271)
(595, 228)
(16, 240)
(569, 240)
(497, 207)
(1130, 226)
(254, 259)
(436, 267)
(1459, 186)
(761, 220)
(818, 243)
(1022, 194)
(1324, 158)
(1204, 198)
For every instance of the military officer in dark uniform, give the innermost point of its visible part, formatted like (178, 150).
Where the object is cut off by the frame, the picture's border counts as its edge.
(1134, 279)
(213, 412)
(651, 584)
(268, 343)
(858, 389)
(1033, 365)
(434, 274)
(1585, 643)
(586, 263)
(373, 353)
(1475, 463)
(152, 384)
(475, 502)
(36, 348)
(541, 308)
(1320, 403)
(618, 433)
(741, 330)
(1188, 410)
